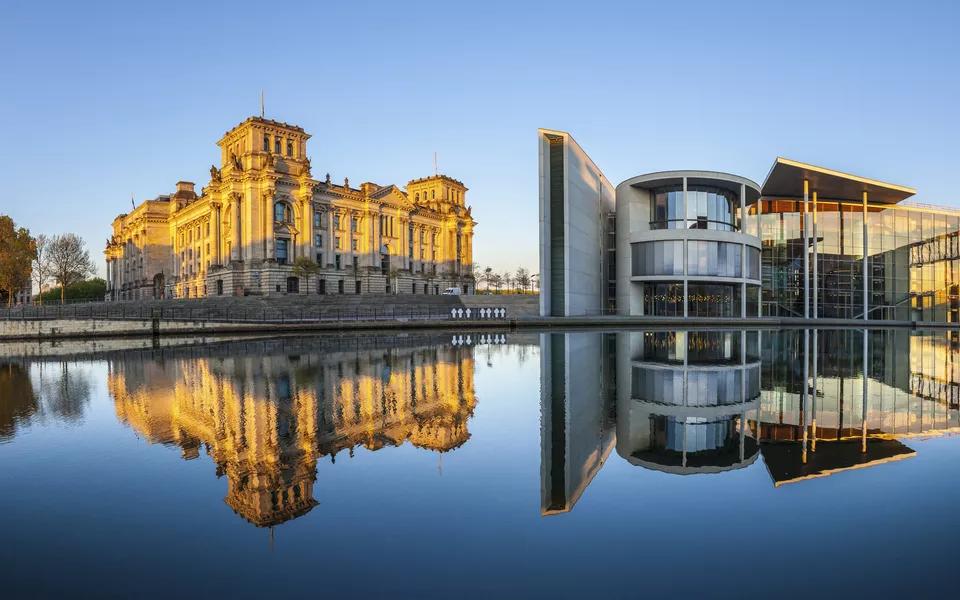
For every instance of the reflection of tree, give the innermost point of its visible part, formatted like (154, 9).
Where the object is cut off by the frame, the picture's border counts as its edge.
(65, 394)
(18, 402)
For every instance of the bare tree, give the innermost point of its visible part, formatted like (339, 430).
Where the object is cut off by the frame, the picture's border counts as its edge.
(535, 282)
(488, 277)
(507, 279)
(41, 264)
(523, 279)
(70, 261)
(497, 280)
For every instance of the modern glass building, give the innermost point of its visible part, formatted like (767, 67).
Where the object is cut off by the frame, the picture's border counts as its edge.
(809, 242)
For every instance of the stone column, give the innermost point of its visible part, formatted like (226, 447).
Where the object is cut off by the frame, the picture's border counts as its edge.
(235, 238)
(216, 233)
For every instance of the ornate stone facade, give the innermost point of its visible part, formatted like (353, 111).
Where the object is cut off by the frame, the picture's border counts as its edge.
(262, 210)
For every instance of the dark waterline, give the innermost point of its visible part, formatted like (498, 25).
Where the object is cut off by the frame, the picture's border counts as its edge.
(554, 465)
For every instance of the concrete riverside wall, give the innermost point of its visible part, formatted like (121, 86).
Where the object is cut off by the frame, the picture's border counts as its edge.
(92, 328)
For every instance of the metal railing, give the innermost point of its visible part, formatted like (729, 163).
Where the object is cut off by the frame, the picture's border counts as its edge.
(251, 314)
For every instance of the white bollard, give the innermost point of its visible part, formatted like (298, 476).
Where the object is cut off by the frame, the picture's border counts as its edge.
(468, 313)
(459, 313)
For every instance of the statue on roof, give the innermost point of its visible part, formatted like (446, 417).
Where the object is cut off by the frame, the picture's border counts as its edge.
(306, 166)
(237, 163)
(215, 174)
(328, 179)
(346, 182)
(269, 161)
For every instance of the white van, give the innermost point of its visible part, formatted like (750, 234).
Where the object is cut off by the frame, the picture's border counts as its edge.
(451, 291)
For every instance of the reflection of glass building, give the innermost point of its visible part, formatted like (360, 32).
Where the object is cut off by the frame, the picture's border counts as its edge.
(713, 401)
(266, 412)
(683, 243)
(682, 399)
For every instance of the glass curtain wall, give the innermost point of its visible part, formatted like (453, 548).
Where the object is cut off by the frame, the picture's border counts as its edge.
(913, 261)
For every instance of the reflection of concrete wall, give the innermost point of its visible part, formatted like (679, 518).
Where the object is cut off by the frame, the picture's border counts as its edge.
(577, 235)
(577, 431)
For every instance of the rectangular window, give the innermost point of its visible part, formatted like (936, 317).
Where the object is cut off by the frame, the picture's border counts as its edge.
(282, 252)
(208, 229)
(208, 249)
(354, 224)
(422, 254)
(421, 236)
(318, 240)
(355, 245)
(358, 284)
(336, 242)
(320, 258)
(336, 221)
(339, 262)
(356, 263)
(317, 220)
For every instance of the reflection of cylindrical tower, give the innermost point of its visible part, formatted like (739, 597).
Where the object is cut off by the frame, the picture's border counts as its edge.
(682, 398)
(681, 247)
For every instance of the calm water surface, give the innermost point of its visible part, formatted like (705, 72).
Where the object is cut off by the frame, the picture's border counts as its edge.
(720, 464)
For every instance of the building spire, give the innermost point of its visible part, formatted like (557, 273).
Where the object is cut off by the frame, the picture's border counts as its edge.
(261, 103)
(434, 163)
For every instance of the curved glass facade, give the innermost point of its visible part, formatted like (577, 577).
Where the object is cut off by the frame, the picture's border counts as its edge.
(693, 435)
(708, 207)
(704, 257)
(700, 347)
(721, 259)
(657, 258)
(714, 387)
(704, 299)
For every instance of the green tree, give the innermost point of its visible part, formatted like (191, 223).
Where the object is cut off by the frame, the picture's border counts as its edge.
(17, 251)
(304, 268)
(91, 289)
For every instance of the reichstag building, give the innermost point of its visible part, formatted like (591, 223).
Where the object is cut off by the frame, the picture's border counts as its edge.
(263, 225)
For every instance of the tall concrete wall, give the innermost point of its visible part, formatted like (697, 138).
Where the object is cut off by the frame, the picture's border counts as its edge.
(588, 197)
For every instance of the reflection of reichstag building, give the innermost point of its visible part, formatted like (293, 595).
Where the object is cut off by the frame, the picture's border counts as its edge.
(811, 403)
(268, 414)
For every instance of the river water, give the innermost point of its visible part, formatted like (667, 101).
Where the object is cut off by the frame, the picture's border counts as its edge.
(638, 464)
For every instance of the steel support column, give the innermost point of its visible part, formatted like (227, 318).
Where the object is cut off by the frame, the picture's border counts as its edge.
(866, 276)
(806, 251)
(816, 281)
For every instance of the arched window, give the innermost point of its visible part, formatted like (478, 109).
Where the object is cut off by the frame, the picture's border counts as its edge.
(282, 213)
(433, 194)
(417, 197)
(266, 142)
(289, 148)
(276, 145)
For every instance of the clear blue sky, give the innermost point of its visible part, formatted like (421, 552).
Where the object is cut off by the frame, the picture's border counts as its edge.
(103, 99)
